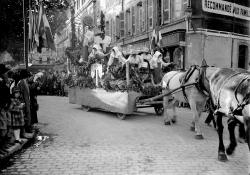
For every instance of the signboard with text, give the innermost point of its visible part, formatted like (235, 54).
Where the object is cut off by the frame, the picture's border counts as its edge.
(226, 8)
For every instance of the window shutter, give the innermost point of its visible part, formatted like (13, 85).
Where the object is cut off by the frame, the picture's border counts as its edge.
(122, 26)
(150, 14)
(128, 20)
(133, 20)
(165, 11)
(117, 21)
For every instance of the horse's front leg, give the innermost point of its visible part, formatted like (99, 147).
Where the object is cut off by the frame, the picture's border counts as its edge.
(231, 127)
(196, 120)
(221, 150)
(167, 104)
(242, 133)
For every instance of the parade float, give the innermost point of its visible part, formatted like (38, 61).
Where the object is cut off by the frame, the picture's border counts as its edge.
(106, 81)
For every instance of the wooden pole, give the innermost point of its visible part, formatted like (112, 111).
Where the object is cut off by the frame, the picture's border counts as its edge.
(127, 73)
(24, 37)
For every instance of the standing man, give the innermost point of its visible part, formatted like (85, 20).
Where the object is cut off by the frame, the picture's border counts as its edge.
(24, 88)
(4, 103)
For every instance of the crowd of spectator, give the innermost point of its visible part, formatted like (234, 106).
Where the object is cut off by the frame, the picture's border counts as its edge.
(53, 83)
(18, 107)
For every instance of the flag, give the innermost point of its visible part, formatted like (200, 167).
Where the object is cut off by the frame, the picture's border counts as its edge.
(44, 31)
(153, 40)
(156, 39)
(159, 42)
(33, 31)
(31, 20)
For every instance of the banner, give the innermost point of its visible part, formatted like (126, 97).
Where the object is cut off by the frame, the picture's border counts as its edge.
(226, 8)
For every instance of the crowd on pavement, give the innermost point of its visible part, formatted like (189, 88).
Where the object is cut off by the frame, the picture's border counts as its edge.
(53, 83)
(18, 107)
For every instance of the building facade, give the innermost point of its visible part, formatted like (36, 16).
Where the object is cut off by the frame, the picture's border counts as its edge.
(82, 8)
(190, 30)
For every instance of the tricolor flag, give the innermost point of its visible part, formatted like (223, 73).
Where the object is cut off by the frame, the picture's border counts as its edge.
(156, 39)
(33, 33)
(44, 31)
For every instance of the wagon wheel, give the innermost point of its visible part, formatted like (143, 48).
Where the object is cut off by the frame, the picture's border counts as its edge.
(86, 108)
(159, 110)
(136, 101)
(121, 116)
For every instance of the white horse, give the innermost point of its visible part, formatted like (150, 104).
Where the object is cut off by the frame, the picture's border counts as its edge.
(191, 94)
(230, 93)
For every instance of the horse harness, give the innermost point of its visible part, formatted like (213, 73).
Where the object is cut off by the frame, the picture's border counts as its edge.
(245, 101)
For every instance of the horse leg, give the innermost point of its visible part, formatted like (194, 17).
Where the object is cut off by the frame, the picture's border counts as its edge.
(221, 151)
(242, 133)
(231, 126)
(174, 118)
(167, 118)
(248, 133)
(197, 114)
(165, 107)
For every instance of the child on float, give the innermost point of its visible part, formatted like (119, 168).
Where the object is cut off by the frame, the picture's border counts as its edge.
(16, 113)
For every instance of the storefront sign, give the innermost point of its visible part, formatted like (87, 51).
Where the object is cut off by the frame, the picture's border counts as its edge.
(226, 8)
(172, 39)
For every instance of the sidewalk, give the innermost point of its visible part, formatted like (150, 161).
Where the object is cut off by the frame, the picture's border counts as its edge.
(17, 147)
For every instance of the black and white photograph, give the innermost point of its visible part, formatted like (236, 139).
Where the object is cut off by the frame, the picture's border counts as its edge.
(124, 87)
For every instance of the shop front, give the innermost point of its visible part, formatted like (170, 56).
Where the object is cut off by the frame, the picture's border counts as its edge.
(173, 46)
(220, 50)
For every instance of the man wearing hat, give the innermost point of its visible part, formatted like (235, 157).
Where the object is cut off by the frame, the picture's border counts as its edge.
(4, 103)
(24, 88)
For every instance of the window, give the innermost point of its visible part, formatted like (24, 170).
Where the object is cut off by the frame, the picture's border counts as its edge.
(128, 22)
(113, 30)
(122, 25)
(117, 29)
(133, 20)
(107, 28)
(165, 11)
(150, 13)
(77, 4)
(143, 25)
(185, 4)
(141, 19)
(243, 57)
(159, 12)
(177, 8)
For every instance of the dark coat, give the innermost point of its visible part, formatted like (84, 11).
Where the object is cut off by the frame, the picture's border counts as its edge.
(24, 88)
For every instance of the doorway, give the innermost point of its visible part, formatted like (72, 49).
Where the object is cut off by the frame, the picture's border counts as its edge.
(243, 57)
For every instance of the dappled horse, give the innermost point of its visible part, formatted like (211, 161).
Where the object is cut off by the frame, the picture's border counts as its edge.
(230, 93)
(193, 95)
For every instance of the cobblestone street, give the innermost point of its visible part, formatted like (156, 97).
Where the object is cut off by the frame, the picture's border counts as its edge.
(97, 142)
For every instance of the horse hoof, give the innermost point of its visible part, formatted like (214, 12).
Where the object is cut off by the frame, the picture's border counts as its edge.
(167, 123)
(192, 128)
(229, 151)
(222, 157)
(173, 120)
(199, 137)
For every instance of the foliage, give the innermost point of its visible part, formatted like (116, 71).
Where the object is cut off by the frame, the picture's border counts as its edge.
(73, 54)
(11, 22)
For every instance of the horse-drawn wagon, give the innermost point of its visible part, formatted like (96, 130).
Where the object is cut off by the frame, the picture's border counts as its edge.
(114, 93)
